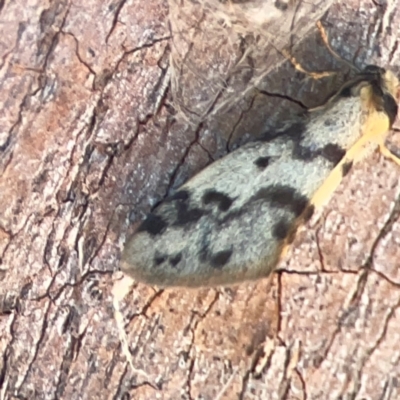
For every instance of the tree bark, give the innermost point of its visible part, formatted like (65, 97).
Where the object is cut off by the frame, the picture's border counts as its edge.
(96, 129)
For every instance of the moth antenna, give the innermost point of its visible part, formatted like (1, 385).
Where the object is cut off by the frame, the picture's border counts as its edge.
(325, 39)
(318, 75)
(298, 67)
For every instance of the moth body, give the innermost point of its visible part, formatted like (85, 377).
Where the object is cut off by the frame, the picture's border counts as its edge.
(231, 222)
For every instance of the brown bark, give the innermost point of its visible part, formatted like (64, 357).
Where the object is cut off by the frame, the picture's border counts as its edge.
(89, 142)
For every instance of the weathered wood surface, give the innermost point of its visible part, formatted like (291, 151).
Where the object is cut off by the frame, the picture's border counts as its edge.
(89, 142)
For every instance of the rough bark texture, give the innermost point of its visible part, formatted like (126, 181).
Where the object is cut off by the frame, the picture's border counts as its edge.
(87, 146)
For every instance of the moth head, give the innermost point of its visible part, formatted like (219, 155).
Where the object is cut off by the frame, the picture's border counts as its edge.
(379, 89)
(387, 80)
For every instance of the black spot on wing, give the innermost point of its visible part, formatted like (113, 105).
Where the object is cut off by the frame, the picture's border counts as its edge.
(281, 229)
(174, 260)
(153, 224)
(186, 215)
(282, 196)
(333, 153)
(213, 196)
(346, 167)
(159, 259)
(262, 162)
(218, 260)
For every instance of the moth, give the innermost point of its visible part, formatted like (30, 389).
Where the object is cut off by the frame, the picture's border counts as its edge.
(233, 221)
